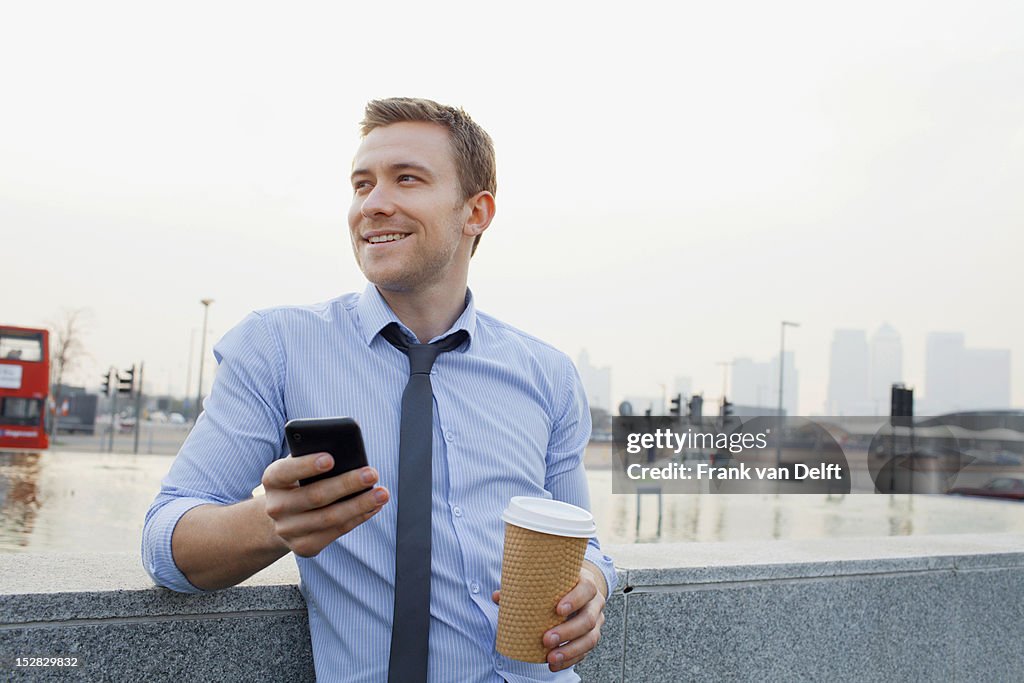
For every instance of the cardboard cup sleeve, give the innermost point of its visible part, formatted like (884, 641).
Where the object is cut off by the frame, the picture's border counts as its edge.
(538, 569)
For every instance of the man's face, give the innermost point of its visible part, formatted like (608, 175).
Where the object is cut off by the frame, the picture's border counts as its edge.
(407, 215)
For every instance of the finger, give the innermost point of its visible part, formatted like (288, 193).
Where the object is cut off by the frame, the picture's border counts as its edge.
(285, 473)
(565, 664)
(337, 517)
(326, 491)
(580, 595)
(582, 623)
(496, 597)
(575, 650)
(321, 493)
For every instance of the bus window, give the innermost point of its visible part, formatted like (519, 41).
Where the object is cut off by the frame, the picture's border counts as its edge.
(20, 411)
(26, 347)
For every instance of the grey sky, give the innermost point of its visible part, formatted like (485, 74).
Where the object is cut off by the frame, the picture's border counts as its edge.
(672, 182)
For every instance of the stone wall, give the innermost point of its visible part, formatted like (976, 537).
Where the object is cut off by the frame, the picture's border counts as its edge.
(900, 609)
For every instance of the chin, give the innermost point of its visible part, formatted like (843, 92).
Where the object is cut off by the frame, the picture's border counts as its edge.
(396, 275)
(391, 285)
(390, 280)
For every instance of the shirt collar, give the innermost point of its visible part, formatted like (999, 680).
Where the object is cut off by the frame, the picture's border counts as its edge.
(374, 314)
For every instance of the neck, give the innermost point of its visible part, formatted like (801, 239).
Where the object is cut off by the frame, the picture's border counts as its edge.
(428, 313)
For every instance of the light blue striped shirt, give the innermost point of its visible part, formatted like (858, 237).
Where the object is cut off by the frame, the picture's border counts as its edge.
(510, 419)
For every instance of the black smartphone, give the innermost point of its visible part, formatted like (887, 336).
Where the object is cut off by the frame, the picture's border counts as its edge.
(339, 436)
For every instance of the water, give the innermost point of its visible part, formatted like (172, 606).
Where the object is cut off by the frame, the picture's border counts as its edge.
(75, 501)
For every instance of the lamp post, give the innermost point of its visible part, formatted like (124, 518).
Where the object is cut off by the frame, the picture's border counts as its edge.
(202, 353)
(782, 362)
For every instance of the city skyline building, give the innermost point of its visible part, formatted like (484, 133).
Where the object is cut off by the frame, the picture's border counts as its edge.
(885, 369)
(755, 384)
(683, 386)
(752, 383)
(959, 378)
(849, 361)
(985, 379)
(944, 354)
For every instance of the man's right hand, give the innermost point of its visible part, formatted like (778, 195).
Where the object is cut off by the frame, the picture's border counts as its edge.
(308, 518)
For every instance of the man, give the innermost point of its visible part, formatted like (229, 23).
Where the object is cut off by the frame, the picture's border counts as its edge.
(509, 418)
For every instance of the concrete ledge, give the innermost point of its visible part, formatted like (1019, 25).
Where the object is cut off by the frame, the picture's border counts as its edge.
(901, 608)
(105, 610)
(696, 563)
(888, 609)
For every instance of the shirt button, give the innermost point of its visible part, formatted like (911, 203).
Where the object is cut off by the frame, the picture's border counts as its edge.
(449, 436)
(475, 587)
(457, 511)
(498, 665)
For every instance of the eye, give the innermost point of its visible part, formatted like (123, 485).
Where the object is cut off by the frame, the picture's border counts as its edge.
(360, 185)
(406, 178)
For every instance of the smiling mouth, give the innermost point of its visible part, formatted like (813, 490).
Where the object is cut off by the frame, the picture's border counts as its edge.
(380, 239)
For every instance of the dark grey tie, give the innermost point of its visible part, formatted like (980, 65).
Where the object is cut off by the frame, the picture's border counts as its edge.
(410, 631)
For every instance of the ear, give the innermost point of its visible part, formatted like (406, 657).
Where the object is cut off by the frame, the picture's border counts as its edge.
(481, 212)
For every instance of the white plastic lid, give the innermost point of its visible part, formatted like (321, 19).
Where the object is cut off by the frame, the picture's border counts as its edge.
(549, 517)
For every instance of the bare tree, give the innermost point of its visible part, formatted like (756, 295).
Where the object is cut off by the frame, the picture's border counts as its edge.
(67, 350)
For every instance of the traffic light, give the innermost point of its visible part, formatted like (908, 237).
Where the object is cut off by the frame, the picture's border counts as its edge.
(677, 405)
(902, 401)
(726, 408)
(695, 408)
(127, 382)
(105, 390)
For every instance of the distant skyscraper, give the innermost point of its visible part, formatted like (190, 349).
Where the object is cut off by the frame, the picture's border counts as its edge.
(985, 382)
(958, 378)
(848, 374)
(597, 382)
(756, 384)
(682, 385)
(985, 379)
(752, 383)
(886, 368)
(944, 356)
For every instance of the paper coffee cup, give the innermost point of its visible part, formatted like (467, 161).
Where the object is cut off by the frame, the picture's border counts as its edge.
(544, 545)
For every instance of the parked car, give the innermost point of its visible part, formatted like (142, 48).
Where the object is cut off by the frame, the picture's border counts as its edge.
(1001, 487)
(176, 419)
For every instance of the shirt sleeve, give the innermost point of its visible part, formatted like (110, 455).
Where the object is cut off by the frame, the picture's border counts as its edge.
(566, 477)
(238, 435)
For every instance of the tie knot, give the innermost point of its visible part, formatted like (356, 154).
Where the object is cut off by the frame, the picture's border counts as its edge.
(421, 356)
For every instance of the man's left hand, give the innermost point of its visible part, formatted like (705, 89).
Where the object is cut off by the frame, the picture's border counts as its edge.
(572, 640)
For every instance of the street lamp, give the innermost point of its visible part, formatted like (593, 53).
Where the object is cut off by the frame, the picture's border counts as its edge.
(202, 353)
(782, 362)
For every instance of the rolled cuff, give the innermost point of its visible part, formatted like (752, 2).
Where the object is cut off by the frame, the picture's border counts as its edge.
(603, 562)
(157, 557)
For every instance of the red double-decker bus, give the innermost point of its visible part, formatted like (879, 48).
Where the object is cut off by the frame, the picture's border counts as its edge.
(24, 387)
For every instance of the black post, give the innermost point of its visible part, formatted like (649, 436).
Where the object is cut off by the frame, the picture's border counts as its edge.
(138, 408)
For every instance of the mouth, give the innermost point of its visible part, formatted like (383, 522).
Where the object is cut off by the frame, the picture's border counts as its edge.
(383, 239)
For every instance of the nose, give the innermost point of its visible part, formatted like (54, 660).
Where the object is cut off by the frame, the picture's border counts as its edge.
(377, 203)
